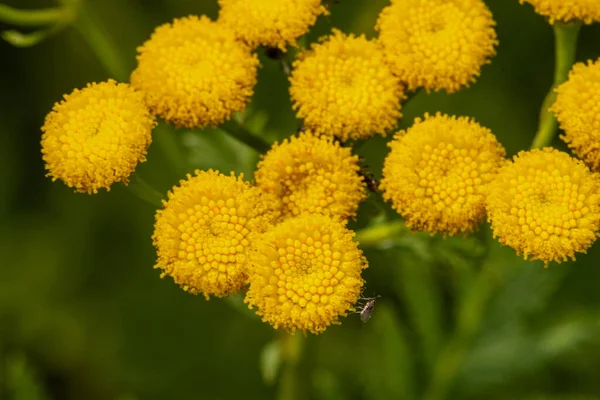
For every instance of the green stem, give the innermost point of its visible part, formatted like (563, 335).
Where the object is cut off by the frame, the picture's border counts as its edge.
(237, 131)
(291, 386)
(144, 191)
(39, 17)
(452, 355)
(374, 235)
(101, 43)
(166, 138)
(565, 38)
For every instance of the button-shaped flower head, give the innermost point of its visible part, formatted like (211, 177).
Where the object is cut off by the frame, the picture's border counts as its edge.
(577, 108)
(343, 87)
(567, 10)
(272, 23)
(437, 172)
(312, 174)
(306, 272)
(96, 136)
(437, 44)
(194, 73)
(545, 205)
(203, 233)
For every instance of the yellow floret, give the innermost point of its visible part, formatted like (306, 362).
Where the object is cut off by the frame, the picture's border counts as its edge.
(343, 87)
(545, 205)
(567, 10)
(203, 233)
(194, 73)
(96, 136)
(306, 272)
(437, 44)
(272, 23)
(577, 108)
(437, 172)
(312, 174)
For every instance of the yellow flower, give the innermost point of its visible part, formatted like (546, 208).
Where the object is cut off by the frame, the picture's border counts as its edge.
(545, 205)
(306, 272)
(205, 229)
(437, 171)
(194, 73)
(343, 87)
(437, 44)
(272, 23)
(577, 108)
(567, 10)
(96, 136)
(312, 174)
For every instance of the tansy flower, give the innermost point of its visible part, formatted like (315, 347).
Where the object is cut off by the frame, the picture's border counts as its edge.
(545, 205)
(312, 174)
(194, 73)
(272, 23)
(577, 108)
(96, 136)
(343, 87)
(437, 44)
(205, 229)
(305, 273)
(437, 171)
(567, 10)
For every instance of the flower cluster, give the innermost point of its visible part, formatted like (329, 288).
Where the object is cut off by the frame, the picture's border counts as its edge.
(203, 234)
(284, 239)
(437, 172)
(96, 136)
(587, 11)
(312, 174)
(545, 205)
(577, 108)
(437, 44)
(195, 73)
(343, 87)
(306, 273)
(271, 23)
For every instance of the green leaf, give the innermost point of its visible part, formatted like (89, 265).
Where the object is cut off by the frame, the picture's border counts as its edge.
(415, 284)
(390, 371)
(270, 361)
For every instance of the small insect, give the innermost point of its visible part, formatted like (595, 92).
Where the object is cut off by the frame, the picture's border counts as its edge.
(368, 177)
(370, 180)
(367, 308)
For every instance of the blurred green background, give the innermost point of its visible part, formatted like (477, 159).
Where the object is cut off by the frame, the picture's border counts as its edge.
(83, 315)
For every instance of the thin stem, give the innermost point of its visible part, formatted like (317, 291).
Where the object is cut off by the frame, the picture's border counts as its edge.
(39, 17)
(565, 38)
(291, 386)
(101, 43)
(166, 138)
(141, 189)
(469, 319)
(237, 131)
(375, 235)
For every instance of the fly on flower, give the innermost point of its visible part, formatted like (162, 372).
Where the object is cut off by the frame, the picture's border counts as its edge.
(366, 309)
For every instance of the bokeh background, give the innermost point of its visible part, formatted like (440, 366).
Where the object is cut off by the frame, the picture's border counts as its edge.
(83, 315)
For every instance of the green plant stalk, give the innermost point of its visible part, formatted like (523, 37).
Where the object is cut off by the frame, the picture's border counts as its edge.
(144, 191)
(565, 38)
(39, 17)
(290, 385)
(106, 51)
(166, 138)
(452, 355)
(374, 235)
(101, 43)
(240, 133)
